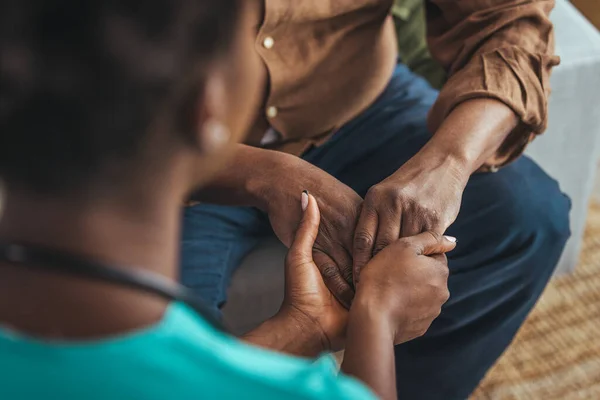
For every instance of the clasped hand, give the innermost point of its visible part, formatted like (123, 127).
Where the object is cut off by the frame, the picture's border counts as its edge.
(419, 197)
(406, 283)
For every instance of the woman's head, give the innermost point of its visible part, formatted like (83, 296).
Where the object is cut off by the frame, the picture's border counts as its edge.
(92, 90)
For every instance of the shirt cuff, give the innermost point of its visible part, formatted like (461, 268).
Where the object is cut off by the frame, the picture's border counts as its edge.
(511, 75)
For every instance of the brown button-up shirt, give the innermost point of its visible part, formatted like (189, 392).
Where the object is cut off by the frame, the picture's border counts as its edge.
(328, 60)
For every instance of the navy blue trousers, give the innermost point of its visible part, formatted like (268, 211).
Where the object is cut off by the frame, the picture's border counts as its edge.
(512, 227)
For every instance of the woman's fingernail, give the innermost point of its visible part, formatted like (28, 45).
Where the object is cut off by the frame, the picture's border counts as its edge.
(304, 200)
(451, 239)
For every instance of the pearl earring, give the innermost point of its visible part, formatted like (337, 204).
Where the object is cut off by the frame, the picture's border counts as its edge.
(214, 135)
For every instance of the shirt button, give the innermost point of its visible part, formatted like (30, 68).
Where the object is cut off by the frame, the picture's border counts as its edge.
(268, 42)
(272, 112)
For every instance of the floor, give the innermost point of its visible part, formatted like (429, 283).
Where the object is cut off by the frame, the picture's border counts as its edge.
(556, 354)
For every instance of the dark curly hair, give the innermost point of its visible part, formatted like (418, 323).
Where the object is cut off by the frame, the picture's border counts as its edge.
(80, 81)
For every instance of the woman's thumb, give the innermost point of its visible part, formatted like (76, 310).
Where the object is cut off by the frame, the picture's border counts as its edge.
(429, 243)
(301, 249)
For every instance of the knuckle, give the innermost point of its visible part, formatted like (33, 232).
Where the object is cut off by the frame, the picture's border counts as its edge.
(442, 259)
(344, 296)
(428, 224)
(440, 266)
(446, 296)
(422, 331)
(375, 191)
(346, 273)
(395, 204)
(396, 198)
(341, 289)
(442, 293)
(363, 241)
(329, 271)
(445, 272)
(429, 212)
(383, 192)
(398, 192)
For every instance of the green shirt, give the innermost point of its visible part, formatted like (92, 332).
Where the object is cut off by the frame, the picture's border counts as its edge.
(410, 22)
(181, 358)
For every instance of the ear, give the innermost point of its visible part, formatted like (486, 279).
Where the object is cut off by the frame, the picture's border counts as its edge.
(212, 134)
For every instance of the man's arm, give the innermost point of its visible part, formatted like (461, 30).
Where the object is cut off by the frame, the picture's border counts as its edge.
(501, 50)
(470, 135)
(273, 182)
(498, 56)
(247, 179)
(425, 193)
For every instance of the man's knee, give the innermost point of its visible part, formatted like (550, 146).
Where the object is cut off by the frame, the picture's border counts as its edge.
(515, 217)
(553, 226)
(534, 219)
(540, 213)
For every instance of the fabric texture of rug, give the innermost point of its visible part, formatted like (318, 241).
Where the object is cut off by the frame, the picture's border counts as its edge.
(556, 354)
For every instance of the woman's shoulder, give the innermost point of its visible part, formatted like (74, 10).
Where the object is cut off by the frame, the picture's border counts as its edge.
(182, 356)
(259, 372)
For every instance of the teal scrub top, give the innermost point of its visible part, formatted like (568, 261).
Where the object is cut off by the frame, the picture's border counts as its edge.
(181, 357)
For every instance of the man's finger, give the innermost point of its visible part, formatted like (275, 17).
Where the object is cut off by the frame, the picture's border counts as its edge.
(333, 279)
(411, 225)
(388, 230)
(428, 243)
(300, 251)
(364, 240)
(343, 260)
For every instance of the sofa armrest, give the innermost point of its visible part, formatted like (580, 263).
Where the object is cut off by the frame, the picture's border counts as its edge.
(568, 151)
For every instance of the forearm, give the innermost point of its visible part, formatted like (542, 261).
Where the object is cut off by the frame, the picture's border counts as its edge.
(288, 335)
(471, 134)
(255, 177)
(502, 49)
(246, 178)
(369, 354)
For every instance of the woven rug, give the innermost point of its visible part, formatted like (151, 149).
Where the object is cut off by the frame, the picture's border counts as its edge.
(556, 354)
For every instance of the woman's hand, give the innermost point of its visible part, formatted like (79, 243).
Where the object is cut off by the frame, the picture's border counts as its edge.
(307, 298)
(400, 292)
(405, 285)
(423, 195)
(310, 320)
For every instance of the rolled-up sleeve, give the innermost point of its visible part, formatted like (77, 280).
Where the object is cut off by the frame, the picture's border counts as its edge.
(500, 49)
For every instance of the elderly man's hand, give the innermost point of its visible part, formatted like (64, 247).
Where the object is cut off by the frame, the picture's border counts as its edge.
(339, 206)
(423, 195)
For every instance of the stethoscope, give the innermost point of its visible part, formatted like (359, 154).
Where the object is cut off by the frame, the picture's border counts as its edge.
(69, 264)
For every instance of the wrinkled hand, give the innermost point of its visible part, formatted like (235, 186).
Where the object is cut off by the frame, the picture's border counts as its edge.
(423, 195)
(339, 206)
(307, 299)
(407, 283)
